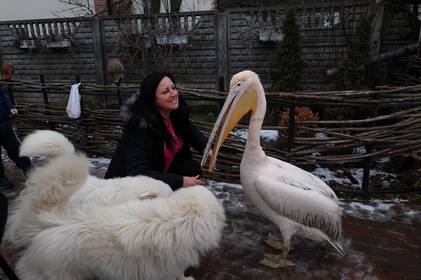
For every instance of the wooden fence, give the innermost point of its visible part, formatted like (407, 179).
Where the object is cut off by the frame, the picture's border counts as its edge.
(386, 123)
(202, 49)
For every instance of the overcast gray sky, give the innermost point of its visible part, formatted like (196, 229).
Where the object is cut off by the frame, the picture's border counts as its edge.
(30, 9)
(35, 9)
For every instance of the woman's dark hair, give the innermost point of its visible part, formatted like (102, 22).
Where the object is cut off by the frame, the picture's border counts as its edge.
(144, 112)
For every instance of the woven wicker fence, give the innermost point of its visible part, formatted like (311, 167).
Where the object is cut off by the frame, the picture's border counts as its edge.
(388, 123)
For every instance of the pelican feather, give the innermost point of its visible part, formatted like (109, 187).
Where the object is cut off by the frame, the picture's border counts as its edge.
(293, 203)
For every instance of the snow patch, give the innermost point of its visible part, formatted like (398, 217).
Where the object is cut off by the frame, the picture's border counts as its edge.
(378, 210)
(361, 150)
(267, 135)
(327, 175)
(320, 136)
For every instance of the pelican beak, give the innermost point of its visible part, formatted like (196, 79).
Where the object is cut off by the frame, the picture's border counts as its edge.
(235, 107)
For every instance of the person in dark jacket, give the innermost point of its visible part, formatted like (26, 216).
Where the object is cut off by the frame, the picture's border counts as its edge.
(8, 139)
(158, 135)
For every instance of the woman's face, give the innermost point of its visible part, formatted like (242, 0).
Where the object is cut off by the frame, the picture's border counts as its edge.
(166, 96)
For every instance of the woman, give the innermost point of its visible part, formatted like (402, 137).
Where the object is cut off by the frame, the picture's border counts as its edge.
(158, 135)
(8, 140)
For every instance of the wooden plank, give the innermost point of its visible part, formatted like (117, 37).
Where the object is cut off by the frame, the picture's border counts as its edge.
(222, 32)
(97, 33)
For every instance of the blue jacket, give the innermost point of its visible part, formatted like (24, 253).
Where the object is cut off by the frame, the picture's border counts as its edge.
(5, 106)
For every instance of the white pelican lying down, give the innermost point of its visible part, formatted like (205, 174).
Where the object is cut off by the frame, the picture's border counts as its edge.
(296, 201)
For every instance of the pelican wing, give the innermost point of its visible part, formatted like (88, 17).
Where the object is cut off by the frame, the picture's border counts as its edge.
(300, 178)
(304, 206)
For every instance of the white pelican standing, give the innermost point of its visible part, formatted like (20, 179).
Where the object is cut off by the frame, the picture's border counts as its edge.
(295, 200)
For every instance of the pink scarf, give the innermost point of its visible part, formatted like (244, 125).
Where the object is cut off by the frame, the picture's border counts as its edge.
(177, 144)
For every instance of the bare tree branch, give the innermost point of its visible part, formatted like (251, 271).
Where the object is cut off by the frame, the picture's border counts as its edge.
(77, 8)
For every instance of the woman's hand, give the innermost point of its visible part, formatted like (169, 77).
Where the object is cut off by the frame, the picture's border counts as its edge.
(192, 181)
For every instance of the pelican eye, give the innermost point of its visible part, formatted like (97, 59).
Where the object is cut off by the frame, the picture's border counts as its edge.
(239, 84)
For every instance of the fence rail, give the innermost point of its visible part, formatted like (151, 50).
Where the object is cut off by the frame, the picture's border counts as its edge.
(44, 29)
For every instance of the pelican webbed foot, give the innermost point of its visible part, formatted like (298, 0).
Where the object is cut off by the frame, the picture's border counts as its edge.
(276, 243)
(275, 261)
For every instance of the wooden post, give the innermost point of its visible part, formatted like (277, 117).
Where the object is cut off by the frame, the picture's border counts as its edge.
(368, 161)
(221, 84)
(376, 11)
(222, 33)
(46, 101)
(366, 173)
(77, 79)
(419, 41)
(291, 127)
(120, 101)
(99, 54)
(43, 89)
(221, 88)
(80, 122)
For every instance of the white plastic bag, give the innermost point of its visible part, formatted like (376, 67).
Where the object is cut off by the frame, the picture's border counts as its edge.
(73, 104)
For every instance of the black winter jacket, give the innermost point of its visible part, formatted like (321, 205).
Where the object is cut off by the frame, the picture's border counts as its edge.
(5, 106)
(141, 152)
